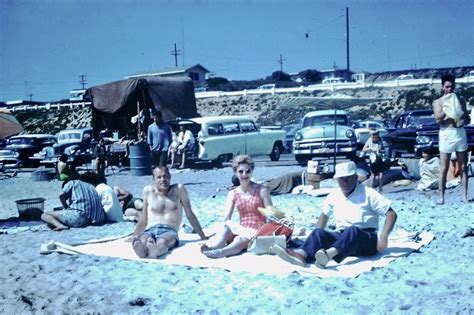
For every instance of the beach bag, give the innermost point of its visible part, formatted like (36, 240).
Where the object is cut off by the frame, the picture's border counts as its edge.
(270, 234)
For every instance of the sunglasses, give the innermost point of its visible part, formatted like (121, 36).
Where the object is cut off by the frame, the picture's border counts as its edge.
(248, 171)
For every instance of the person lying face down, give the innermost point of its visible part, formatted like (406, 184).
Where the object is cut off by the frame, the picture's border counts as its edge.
(156, 232)
(356, 209)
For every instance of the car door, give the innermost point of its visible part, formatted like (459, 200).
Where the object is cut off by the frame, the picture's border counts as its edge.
(253, 139)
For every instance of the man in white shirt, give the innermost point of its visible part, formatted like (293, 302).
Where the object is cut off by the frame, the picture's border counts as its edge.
(356, 209)
(185, 143)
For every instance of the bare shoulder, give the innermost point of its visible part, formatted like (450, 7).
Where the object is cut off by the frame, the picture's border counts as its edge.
(147, 190)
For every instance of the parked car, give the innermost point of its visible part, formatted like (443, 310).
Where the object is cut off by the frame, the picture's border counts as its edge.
(324, 133)
(333, 81)
(20, 149)
(220, 138)
(267, 87)
(378, 125)
(405, 77)
(415, 130)
(77, 143)
(290, 136)
(3, 143)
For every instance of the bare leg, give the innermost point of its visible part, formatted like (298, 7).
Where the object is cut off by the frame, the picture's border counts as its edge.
(159, 247)
(220, 240)
(234, 248)
(380, 181)
(462, 160)
(444, 166)
(139, 246)
(52, 218)
(183, 159)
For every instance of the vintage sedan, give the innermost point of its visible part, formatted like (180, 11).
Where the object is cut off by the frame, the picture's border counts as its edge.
(324, 133)
(220, 138)
(20, 149)
(415, 130)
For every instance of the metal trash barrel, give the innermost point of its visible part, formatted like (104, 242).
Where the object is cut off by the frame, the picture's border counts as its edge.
(140, 159)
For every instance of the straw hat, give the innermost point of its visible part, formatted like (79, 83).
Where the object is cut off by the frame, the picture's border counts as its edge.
(271, 211)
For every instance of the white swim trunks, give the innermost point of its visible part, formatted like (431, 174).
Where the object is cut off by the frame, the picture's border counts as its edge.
(452, 140)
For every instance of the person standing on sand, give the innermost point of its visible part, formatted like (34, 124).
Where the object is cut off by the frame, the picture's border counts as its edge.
(81, 207)
(247, 197)
(356, 209)
(159, 139)
(452, 136)
(156, 232)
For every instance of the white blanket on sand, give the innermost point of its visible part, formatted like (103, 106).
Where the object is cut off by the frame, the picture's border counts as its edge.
(401, 244)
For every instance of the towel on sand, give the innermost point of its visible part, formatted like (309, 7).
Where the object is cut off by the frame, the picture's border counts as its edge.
(188, 253)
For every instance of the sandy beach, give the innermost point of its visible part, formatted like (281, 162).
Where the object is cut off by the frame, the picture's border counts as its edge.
(437, 279)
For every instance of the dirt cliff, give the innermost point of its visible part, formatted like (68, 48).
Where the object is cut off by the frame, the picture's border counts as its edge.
(276, 109)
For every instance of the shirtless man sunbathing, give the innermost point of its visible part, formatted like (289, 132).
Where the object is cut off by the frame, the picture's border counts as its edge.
(157, 229)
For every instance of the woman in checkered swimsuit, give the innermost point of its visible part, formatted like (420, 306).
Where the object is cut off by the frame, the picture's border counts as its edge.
(247, 198)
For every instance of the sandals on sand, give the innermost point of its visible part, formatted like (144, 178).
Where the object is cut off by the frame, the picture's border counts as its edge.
(322, 258)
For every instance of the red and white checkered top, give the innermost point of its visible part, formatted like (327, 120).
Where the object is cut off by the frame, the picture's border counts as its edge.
(250, 217)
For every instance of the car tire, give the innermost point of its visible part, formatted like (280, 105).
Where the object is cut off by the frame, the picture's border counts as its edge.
(276, 152)
(221, 159)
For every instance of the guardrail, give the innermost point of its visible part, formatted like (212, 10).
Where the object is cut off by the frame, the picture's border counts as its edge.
(330, 87)
(47, 106)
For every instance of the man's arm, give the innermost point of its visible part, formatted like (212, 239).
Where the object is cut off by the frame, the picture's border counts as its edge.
(149, 138)
(439, 114)
(390, 219)
(322, 221)
(143, 220)
(63, 199)
(183, 194)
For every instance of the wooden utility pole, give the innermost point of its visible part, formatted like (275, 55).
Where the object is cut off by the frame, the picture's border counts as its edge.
(280, 61)
(82, 81)
(347, 45)
(175, 53)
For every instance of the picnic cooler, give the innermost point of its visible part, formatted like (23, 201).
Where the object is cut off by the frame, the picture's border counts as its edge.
(30, 209)
(140, 159)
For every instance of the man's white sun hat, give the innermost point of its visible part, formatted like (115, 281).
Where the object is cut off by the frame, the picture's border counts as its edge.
(345, 169)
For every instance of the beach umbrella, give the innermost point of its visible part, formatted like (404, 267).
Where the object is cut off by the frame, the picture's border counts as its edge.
(8, 124)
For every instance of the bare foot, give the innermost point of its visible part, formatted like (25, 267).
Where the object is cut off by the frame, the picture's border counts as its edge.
(205, 248)
(440, 202)
(140, 249)
(152, 248)
(61, 228)
(214, 253)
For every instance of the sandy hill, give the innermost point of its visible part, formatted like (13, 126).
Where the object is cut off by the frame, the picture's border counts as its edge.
(277, 109)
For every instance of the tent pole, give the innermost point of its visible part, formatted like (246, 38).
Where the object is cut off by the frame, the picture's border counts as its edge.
(335, 134)
(138, 122)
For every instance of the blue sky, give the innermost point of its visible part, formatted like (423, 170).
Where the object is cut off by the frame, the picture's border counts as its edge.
(45, 45)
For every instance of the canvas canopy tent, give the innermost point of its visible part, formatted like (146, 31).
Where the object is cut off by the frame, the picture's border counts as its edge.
(113, 104)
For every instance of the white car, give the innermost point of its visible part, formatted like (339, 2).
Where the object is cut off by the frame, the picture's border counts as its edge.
(220, 138)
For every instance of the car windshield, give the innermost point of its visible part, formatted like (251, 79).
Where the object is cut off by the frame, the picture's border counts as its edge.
(19, 141)
(324, 120)
(69, 136)
(421, 120)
